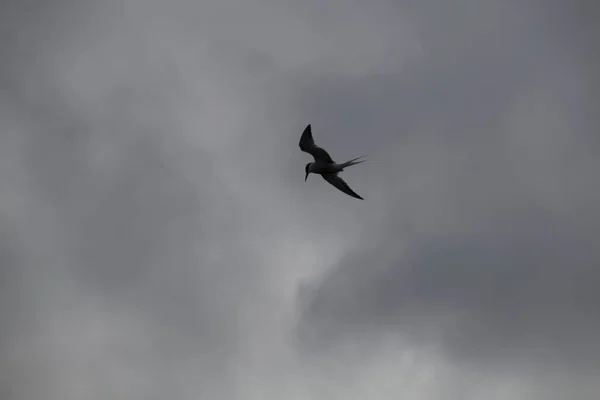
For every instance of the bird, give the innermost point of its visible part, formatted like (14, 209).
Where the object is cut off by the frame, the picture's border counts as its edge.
(324, 164)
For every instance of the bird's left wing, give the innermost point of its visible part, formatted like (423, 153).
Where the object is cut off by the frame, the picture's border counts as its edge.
(340, 184)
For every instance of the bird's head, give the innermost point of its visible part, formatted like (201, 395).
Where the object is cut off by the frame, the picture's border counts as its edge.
(307, 170)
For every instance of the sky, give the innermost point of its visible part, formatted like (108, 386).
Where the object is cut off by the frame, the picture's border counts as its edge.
(157, 238)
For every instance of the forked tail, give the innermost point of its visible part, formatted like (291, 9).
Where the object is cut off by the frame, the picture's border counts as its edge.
(352, 162)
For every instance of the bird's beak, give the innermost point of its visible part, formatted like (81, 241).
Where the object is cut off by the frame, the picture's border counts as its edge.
(306, 177)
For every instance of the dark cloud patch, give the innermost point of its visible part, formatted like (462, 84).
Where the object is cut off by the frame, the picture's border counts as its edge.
(499, 267)
(527, 295)
(464, 77)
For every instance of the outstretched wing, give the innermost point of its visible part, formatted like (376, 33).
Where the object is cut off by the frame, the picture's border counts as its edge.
(307, 144)
(339, 183)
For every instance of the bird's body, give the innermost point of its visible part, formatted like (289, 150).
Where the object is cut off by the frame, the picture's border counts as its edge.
(319, 167)
(324, 164)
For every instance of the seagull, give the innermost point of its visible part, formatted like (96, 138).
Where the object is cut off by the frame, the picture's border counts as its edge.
(324, 164)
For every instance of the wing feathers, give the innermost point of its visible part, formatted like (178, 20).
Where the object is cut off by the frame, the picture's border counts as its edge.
(340, 184)
(307, 144)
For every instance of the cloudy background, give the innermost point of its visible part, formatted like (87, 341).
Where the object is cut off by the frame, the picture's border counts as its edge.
(158, 241)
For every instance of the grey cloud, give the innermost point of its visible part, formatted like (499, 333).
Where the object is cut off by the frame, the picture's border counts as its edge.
(488, 246)
(517, 295)
(150, 249)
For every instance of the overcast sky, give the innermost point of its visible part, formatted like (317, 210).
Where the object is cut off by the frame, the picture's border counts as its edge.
(158, 241)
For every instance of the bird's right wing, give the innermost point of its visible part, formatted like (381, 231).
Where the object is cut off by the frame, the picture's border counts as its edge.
(307, 144)
(340, 184)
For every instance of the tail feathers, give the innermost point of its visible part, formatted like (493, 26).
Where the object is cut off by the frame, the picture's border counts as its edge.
(352, 162)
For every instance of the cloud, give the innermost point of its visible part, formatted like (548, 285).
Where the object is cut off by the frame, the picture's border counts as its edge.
(158, 239)
(487, 246)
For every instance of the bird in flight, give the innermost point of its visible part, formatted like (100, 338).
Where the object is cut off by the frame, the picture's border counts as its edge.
(324, 164)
